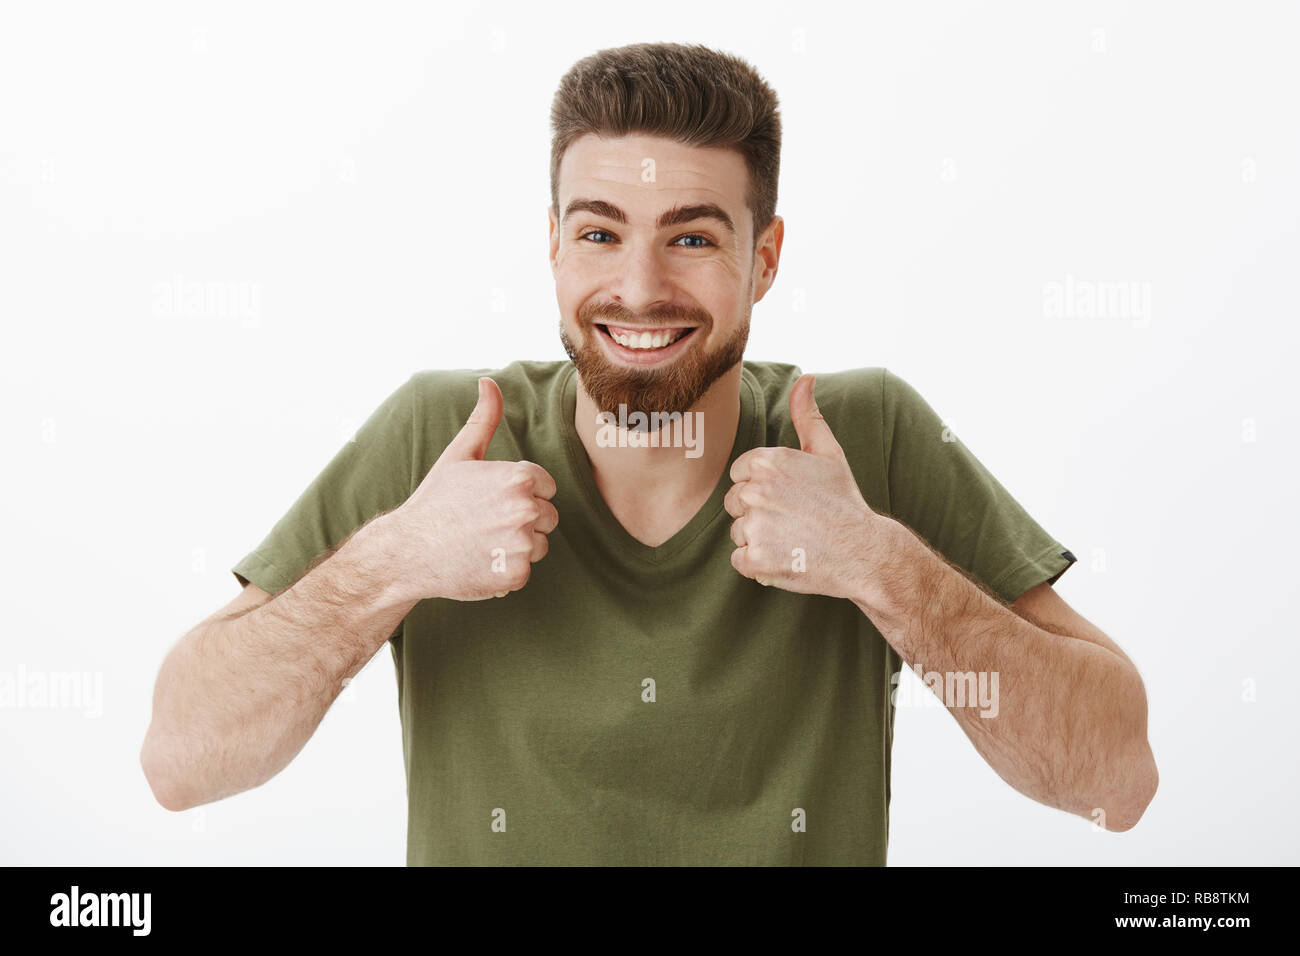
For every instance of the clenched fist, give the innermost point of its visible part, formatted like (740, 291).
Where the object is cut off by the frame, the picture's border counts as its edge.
(801, 522)
(472, 529)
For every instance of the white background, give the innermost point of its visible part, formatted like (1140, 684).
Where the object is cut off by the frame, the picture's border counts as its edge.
(374, 178)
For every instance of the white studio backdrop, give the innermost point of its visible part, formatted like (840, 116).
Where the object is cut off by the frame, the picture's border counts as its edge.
(228, 231)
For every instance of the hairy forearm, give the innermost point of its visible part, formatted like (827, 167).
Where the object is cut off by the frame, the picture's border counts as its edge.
(1062, 720)
(237, 699)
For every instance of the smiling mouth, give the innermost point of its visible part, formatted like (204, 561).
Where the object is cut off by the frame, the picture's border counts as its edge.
(644, 340)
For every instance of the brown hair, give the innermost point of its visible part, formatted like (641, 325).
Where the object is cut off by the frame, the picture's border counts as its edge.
(689, 93)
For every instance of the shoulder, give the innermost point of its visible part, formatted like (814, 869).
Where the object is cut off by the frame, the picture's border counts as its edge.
(844, 397)
(437, 382)
(854, 388)
(442, 399)
(527, 383)
(851, 402)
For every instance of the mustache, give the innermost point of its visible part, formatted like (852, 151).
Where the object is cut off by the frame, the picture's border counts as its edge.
(612, 313)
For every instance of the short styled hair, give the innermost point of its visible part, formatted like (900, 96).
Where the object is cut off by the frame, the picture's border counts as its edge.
(686, 92)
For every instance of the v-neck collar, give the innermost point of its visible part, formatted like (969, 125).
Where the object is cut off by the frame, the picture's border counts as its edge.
(747, 432)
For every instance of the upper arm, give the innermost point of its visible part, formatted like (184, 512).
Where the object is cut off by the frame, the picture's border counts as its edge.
(1043, 607)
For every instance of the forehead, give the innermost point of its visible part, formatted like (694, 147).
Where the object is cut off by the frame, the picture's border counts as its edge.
(595, 166)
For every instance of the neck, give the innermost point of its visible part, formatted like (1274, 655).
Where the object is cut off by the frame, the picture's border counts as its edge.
(654, 491)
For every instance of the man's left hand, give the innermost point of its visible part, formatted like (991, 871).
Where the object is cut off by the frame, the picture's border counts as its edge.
(801, 521)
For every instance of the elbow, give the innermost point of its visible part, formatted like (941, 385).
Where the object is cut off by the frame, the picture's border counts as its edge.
(157, 772)
(1134, 778)
(1140, 782)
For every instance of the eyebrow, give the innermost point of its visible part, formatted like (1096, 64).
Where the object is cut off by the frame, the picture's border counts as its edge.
(677, 216)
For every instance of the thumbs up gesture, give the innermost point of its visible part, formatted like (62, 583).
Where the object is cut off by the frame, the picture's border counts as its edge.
(473, 528)
(801, 522)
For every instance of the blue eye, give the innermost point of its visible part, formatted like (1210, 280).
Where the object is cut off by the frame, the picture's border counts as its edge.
(703, 241)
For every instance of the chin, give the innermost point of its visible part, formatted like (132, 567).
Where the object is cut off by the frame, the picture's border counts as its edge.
(668, 379)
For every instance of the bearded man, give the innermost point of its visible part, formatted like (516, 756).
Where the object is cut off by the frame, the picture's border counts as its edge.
(648, 605)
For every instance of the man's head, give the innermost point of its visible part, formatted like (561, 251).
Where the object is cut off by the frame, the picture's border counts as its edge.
(663, 226)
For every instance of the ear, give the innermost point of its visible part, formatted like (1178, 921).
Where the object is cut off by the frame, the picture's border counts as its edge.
(553, 236)
(767, 256)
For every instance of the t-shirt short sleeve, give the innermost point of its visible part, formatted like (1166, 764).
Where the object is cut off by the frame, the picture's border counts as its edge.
(942, 492)
(370, 475)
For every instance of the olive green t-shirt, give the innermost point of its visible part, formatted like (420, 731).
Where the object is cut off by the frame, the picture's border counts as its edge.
(650, 705)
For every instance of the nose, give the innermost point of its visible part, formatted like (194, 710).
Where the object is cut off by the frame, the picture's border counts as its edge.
(642, 280)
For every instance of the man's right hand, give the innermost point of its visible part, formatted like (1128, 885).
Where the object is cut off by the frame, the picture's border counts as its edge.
(472, 529)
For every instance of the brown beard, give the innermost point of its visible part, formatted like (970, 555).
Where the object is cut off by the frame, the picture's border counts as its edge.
(675, 388)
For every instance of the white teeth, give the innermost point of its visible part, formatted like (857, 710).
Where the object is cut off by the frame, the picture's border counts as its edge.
(647, 340)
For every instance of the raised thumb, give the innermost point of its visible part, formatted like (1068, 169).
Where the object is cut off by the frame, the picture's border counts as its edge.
(815, 435)
(471, 442)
